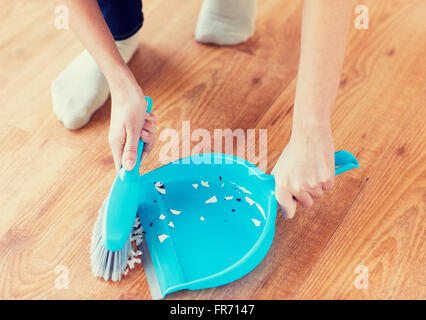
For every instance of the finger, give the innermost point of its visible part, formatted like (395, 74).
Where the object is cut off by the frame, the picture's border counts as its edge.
(150, 126)
(304, 199)
(328, 184)
(147, 137)
(151, 117)
(149, 140)
(286, 202)
(130, 152)
(116, 144)
(316, 193)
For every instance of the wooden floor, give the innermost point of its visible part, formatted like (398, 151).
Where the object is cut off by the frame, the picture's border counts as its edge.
(53, 180)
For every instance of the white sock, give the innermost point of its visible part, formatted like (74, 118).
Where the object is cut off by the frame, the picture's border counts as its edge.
(82, 88)
(226, 22)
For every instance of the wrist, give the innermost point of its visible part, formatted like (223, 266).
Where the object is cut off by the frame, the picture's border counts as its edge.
(309, 123)
(120, 77)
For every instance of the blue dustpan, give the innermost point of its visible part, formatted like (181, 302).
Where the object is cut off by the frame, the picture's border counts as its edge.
(208, 220)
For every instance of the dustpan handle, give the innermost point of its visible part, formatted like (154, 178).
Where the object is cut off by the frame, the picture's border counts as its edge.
(132, 175)
(344, 161)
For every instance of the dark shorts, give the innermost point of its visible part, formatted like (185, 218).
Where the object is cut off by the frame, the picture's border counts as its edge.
(124, 17)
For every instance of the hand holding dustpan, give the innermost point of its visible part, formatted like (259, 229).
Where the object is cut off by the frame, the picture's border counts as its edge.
(208, 220)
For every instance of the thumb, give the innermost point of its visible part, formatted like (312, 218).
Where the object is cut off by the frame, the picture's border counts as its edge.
(130, 153)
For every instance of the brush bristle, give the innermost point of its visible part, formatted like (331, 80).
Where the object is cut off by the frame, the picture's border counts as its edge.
(110, 265)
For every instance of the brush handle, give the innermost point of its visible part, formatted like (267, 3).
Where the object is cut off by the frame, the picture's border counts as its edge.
(133, 175)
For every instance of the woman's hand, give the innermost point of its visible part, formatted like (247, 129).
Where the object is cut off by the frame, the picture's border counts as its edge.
(129, 122)
(305, 168)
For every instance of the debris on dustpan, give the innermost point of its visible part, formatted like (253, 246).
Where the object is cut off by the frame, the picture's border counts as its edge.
(162, 217)
(205, 184)
(195, 185)
(171, 224)
(244, 189)
(202, 218)
(212, 200)
(159, 186)
(162, 237)
(249, 201)
(229, 198)
(176, 212)
(256, 222)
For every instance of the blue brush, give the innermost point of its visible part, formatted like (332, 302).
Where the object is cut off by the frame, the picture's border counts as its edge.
(111, 245)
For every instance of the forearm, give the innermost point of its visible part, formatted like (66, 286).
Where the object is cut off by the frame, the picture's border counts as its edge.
(325, 26)
(87, 22)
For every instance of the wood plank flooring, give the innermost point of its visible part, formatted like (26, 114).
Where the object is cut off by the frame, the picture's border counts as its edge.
(53, 180)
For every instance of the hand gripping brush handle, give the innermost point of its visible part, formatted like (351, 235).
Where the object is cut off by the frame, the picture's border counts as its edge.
(112, 231)
(123, 203)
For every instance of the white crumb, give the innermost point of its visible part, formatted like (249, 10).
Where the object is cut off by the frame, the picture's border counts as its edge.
(176, 212)
(256, 222)
(171, 224)
(138, 230)
(136, 237)
(244, 190)
(205, 183)
(161, 190)
(212, 200)
(249, 201)
(229, 198)
(162, 217)
(136, 253)
(195, 185)
(202, 218)
(133, 259)
(137, 223)
(162, 237)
